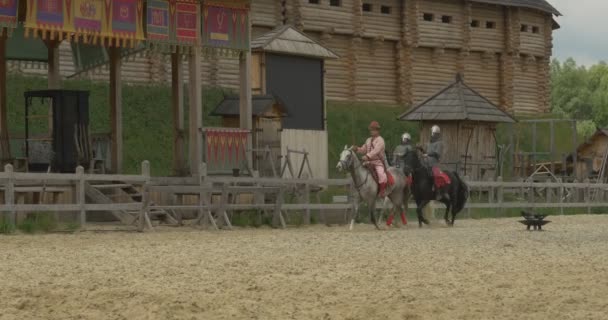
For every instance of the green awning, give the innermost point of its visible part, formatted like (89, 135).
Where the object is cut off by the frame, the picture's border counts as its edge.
(25, 49)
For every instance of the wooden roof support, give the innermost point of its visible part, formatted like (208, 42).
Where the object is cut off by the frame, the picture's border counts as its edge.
(5, 151)
(177, 107)
(196, 111)
(54, 76)
(116, 109)
(246, 107)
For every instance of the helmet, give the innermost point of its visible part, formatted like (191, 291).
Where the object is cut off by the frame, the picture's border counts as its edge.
(435, 129)
(406, 136)
(374, 125)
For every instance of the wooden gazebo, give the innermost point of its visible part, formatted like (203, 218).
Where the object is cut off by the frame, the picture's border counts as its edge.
(468, 125)
(185, 29)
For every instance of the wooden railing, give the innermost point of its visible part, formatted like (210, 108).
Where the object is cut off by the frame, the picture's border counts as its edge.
(494, 196)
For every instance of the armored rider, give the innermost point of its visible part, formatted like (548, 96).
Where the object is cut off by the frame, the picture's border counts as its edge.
(401, 150)
(374, 155)
(434, 151)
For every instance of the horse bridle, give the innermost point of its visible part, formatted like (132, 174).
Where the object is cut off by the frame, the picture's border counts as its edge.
(346, 165)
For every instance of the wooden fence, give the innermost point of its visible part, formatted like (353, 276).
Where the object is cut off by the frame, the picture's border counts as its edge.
(270, 196)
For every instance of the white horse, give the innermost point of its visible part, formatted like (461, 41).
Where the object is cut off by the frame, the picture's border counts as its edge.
(398, 193)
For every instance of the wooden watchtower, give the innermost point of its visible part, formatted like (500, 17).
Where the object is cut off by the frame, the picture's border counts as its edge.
(468, 126)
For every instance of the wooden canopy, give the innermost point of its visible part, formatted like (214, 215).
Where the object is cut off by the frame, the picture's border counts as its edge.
(287, 40)
(457, 102)
(263, 106)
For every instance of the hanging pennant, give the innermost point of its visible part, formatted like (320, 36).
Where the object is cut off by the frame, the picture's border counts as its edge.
(8, 13)
(225, 25)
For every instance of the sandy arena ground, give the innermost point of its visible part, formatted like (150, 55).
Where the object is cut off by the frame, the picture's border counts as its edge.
(490, 269)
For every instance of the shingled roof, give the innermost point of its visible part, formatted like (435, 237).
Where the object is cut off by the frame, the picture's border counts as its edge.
(542, 5)
(287, 40)
(457, 102)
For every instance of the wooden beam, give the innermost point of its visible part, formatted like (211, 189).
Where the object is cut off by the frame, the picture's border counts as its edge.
(177, 106)
(5, 150)
(54, 76)
(116, 108)
(196, 111)
(246, 107)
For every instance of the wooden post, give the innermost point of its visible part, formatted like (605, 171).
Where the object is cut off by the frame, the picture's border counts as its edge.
(144, 218)
(307, 202)
(177, 106)
(587, 195)
(9, 195)
(278, 214)
(552, 142)
(245, 107)
(500, 195)
(54, 75)
(574, 147)
(561, 196)
(196, 112)
(5, 150)
(116, 108)
(80, 193)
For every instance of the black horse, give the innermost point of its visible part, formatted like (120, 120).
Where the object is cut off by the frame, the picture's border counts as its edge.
(453, 196)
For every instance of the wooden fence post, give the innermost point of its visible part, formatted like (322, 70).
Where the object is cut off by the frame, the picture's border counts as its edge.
(80, 193)
(307, 202)
(144, 218)
(587, 195)
(561, 196)
(500, 195)
(278, 214)
(204, 197)
(9, 195)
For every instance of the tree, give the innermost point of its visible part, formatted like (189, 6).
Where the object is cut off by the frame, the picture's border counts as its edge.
(580, 92)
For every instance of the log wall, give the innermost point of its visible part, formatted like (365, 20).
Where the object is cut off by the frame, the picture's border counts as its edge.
(392, 55)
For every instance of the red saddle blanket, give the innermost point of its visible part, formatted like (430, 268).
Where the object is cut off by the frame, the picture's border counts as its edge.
(441, 178)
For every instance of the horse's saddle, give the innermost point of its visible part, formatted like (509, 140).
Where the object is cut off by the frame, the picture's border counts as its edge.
(440, 178)
(390, 180)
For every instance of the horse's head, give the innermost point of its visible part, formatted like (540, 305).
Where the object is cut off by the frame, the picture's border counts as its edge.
(411, 160)
(347, 159)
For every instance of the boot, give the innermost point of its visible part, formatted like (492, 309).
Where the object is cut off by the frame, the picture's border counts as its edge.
(389, 221)
(381, 190)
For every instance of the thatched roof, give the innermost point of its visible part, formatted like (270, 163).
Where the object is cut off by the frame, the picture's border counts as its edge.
(287, 40)
(263, 106)
(542, 5)
(457, 102)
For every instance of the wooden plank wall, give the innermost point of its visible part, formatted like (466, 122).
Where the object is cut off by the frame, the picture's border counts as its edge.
(395, 58)
(433, 69)
(314, 142)
(482, 73)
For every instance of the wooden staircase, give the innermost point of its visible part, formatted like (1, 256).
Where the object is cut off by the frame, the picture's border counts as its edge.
(119, 192)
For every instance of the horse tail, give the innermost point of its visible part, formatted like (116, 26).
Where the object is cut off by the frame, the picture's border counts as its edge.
(462, 194)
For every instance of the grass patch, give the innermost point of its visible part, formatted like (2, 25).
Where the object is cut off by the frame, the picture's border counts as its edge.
(5, 226)
(38, 222)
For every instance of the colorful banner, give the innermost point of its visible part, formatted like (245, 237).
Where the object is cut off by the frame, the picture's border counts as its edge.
(125, 20)
(225, 149)
(225, 27)
(158, 27)
(48, 16)
(173, 22)
(8, 13)
(88, 18)
(92, 21)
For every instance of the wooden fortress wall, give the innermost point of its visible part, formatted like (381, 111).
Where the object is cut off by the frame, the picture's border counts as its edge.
(392, 51)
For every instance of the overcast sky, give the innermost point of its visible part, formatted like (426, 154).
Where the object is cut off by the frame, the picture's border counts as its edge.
(584, 31)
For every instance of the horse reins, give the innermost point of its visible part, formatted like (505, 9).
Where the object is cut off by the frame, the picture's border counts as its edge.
(355, 168)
